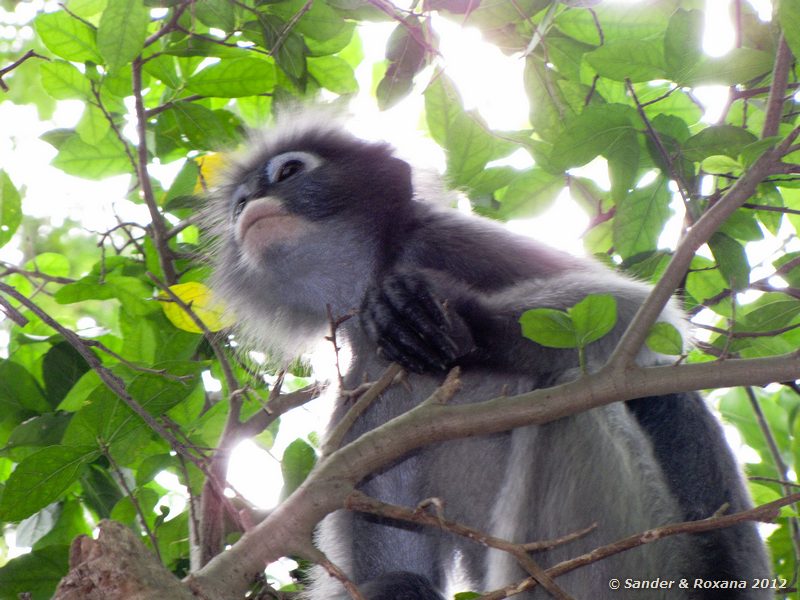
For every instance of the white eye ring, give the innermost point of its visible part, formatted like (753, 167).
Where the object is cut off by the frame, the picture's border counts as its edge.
(288, 164)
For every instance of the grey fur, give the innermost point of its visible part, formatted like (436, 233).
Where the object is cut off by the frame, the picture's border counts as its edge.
(539, 482)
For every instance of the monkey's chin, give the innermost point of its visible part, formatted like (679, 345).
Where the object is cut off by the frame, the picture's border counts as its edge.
(264, 223)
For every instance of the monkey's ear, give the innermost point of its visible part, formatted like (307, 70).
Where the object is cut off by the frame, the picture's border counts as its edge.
(398, 177)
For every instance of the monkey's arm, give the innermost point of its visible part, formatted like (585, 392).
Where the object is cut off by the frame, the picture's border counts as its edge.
(428, 321)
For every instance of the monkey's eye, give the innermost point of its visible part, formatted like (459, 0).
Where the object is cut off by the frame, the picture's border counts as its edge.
(288, 169)
(287, 165)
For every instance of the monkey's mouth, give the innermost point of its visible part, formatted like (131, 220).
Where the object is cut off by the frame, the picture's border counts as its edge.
(264, 222)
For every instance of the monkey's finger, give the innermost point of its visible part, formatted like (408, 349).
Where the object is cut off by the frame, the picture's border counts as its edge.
(422, 314)
(397, 341)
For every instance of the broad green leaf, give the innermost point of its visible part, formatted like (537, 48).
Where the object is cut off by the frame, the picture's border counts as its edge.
(739, 66)
(721, 165)
(106, 421)
(731, 259)
(132, 293)
(36, 573)
(234, 77)
(705, 282)
(37, 432)
(639, 219)
(623, 163)
(593, 317)
(298, 460)
(62, 80)
(395, 85)
(122, 31)
(42, 478)
(769, 313)
(333, 73)
(549, 327)
(86, 8)
(200, 300)
(317, 20)
(683, 43)
(164, 69)
(62, 367)
(68, 37)
(637, 60)
(717, 139)
(528, 193)
(93, 126)
(664, 338)
(79, 394)
(598, 129)
(742, 225)
(216, 13)
(468, 144)
(789, 19)
(549, 107)
(93, 161)
(19, 391)
(49, 263)
(290, 56)
(10, 208)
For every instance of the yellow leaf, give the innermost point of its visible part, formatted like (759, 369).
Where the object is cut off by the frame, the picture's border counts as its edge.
(212, 166)
(199, 299)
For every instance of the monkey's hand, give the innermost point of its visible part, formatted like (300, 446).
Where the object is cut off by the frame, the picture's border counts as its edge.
(412, 327)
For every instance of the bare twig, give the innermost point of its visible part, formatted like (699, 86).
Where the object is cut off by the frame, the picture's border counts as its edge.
(6, 70)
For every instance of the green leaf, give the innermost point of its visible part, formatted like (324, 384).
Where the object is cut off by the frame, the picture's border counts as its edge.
(49, 263)
(664, 338)
(639, 219)
(42, 478)
(10, 208)
(62, 367)
(683, 43)
(93, 126)
(468, 144)
(530, 192)
(122, 31)
(106, 421)
(739, 66)
(717, 139)
(93, 161)
(705, 282)
(597, 130)
(19, 390)
(38, 432)
(637, 60)
(62, 80)
(233, 78)
(333, 73)
(216, 13)
(789, 19)
(130, 291)
(721, 165)
(593, 317)
(68, 37)
(36, 573)
(298, 460)
(549, 327)
(549, 107)
(731, 259)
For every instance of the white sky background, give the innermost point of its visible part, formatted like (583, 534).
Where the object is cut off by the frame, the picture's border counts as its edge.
(488, 81)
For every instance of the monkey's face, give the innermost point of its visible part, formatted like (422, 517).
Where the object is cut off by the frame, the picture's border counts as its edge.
(314, 189)
(261, 209)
